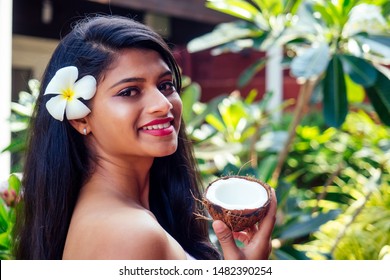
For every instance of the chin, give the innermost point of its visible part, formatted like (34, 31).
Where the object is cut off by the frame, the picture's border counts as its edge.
(167, 152)
(170, 153)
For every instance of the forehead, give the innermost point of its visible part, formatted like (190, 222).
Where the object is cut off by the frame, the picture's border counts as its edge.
(136, 62)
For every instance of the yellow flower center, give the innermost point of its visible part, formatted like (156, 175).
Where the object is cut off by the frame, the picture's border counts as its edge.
(68, 93)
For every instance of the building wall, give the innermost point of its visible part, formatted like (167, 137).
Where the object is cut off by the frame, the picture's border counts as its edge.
(219, 74)
(32, 53)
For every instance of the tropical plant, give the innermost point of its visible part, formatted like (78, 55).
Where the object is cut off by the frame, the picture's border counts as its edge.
(348, 170)
(361, 232)
(236, 136)
(261, 26)
(319, 153)
(327, 40)
(336, 47)
(228, 132)
(10, 196)
(331, 177)
(20, 118)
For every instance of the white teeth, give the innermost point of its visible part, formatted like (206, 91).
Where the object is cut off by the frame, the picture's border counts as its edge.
(157, 126)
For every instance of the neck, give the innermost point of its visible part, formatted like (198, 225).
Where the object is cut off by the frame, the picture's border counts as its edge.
(126, 179)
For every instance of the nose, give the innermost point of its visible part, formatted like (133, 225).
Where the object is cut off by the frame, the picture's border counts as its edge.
(159, 103)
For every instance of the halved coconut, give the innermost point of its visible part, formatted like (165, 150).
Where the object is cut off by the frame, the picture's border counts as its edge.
(238, 201)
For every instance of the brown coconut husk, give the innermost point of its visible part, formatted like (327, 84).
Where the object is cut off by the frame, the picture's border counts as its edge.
(238, 220)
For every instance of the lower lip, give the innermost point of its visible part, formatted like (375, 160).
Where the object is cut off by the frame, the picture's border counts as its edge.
(159, 132)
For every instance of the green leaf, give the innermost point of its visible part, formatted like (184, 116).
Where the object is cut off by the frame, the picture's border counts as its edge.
(230, 169)
(275, 8)
(355, 92)
(5, 241)
(386, 9)
(379, 95)
(17, 145)
(308, 225)
(267, 167)
(21, 109)
(262, 4)
(222, 34)
(383, 69)
(232, 111)
(4, 219)
(19, 125)
(378, 45)
(251, 96)
(247, 75)
(189, 97)
(215, 122)
(259, 40)
(291, 6)
(311, 63)
(282, 192)
(211, 107)
(360, 71)
(326, 17)
(346, 8)
(335, 96)
(237, 8)
(333, 11)
(381, 39)
(14, 183)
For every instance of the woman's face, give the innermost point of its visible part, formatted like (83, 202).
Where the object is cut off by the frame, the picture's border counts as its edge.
(136, 111)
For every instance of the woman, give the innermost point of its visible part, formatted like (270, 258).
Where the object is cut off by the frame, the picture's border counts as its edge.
(109, 171)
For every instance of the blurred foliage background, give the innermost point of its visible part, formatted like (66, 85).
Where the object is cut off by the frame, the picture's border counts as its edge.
(328, 159)
(333, 192)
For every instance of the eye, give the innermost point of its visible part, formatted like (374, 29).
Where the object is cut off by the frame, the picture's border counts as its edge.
(167, 88)
(129, 92)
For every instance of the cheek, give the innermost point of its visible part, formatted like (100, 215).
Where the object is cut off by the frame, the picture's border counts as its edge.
(112, 117)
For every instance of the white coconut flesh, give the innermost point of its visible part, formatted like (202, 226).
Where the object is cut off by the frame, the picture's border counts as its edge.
(237, 194)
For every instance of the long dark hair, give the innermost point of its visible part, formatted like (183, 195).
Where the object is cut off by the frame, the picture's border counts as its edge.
(57, 162)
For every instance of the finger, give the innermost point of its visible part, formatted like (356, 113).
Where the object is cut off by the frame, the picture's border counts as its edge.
(251, 231)
(254, 228)
(267, 225)
(242, 237)
(226, 240)
(262, 237)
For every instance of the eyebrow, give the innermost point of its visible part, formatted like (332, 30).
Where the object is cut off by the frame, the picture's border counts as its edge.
(136, 79)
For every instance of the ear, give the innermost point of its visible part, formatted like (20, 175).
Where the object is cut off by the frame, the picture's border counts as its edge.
(81, 125)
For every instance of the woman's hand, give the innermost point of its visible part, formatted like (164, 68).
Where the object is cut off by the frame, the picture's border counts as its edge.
(257, 239)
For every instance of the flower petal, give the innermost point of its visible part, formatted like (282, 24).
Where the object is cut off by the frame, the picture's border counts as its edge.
(85, 87)
(56, 107)
(63, 79)
(76, 109)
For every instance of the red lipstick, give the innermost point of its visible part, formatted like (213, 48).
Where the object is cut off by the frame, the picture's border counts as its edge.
(158, 121)
(158, 127)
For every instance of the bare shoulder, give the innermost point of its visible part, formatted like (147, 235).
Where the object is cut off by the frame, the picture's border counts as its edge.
(125, 234)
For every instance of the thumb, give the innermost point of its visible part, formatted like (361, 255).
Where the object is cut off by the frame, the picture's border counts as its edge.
(226, 240)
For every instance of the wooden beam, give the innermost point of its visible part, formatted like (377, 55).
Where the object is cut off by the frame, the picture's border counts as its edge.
(188, 9)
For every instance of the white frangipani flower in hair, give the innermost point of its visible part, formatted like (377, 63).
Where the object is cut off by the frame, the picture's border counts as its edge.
(68, 92)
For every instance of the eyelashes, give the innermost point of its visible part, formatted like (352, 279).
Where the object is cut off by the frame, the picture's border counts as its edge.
(165, 88)
(129, 92)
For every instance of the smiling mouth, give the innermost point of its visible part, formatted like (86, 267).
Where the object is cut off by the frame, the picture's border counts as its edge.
(157, 126)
